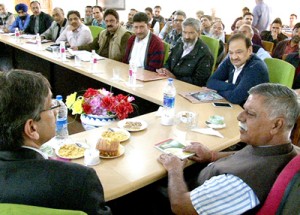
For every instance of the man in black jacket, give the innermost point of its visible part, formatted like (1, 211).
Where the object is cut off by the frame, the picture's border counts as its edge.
(26, 175)
(39, 21)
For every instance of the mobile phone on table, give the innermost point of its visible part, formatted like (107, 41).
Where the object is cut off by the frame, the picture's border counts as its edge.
(222, 104)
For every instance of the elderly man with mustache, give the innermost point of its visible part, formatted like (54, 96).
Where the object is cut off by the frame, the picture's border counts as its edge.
(235, 183)
(111, 42)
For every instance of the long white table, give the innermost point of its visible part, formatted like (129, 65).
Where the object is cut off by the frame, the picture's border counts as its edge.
(139, 167)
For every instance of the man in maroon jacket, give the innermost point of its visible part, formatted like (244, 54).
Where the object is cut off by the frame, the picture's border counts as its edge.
(144, 49)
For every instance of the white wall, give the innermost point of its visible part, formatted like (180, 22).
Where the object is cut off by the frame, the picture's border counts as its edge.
(279, 8)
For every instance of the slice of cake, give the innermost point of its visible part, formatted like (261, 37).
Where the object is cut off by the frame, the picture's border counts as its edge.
(108, 147)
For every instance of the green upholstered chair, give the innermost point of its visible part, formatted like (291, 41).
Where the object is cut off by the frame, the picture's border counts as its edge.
(280, 71)
(95, 30)
(167, 51)
(213, 45)
(17, 209)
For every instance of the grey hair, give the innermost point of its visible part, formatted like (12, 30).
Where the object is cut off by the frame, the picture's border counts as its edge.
(280, 101)
(180, 13)
(195, 23)
(248, 27)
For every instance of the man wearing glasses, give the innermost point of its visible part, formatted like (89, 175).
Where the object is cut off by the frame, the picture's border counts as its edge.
(176, 33)
(22, 21)
(26, 175)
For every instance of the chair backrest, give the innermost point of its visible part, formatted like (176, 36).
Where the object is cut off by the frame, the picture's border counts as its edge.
(18, 209)
(268, 46)
(167, 51)
(213, 45)
(95, 30)
(280, 71)
(283, 190)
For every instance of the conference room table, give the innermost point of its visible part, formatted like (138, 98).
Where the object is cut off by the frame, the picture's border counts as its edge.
(138, 166)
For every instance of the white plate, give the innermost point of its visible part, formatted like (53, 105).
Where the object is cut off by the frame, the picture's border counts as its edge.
(122, 124)
(215, 126)
(120, 153)
(125, 132)
(69, 157)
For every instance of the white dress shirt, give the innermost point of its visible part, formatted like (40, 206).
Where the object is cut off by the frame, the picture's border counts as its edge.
(138, 51)
(81, 36)
(237, 71)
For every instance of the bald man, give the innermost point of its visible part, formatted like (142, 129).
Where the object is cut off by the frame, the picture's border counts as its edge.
(57, 26)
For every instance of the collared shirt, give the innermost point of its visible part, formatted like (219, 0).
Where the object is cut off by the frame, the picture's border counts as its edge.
(102, 24)
(81, 36)
(37, 150)
(172, 38)
(37, 24)
(236, 73)
(138, 51)
(187, 48)
(223, 194)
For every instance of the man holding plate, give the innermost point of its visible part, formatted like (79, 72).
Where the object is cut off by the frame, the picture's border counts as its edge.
(26, 175)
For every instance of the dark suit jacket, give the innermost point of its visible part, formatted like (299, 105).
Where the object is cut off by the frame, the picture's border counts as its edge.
(45, 21)
(27, 178)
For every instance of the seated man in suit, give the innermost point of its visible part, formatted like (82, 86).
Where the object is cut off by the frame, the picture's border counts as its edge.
(240, 71)
(190, 60)
(235, 183)
(76, 33)
(58, 25)
(26, 175)
(111, 42)
(39, 21)
(144, 49)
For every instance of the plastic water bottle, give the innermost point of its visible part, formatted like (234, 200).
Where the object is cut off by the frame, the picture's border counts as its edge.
(17, 35)
(93, 61)
(38, 41)
(168, 112)
(62, 120)
(132, 74)
(62, 51)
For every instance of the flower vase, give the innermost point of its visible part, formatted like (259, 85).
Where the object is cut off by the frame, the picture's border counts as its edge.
(90, 121)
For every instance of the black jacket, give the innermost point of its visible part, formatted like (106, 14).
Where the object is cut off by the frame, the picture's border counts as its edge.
(45, 21)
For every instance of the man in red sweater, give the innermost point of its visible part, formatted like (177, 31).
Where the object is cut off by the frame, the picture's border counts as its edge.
(144, 49)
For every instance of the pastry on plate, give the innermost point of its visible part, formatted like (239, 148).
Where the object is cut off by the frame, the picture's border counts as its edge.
(108, 146)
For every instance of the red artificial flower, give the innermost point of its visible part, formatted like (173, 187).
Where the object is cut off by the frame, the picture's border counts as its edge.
(86, 108)
(90, 93)
(107, 103)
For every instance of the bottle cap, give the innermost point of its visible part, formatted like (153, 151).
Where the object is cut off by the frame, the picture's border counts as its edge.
(59, 97)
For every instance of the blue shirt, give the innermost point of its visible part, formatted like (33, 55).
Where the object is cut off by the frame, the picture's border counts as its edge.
(95, 23)
(19, 23)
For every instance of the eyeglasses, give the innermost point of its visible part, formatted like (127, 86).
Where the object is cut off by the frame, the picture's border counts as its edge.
(54, 104)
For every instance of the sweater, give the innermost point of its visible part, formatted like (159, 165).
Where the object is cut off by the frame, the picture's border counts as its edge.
(258, 167)
(154, 56)
(253, 73)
